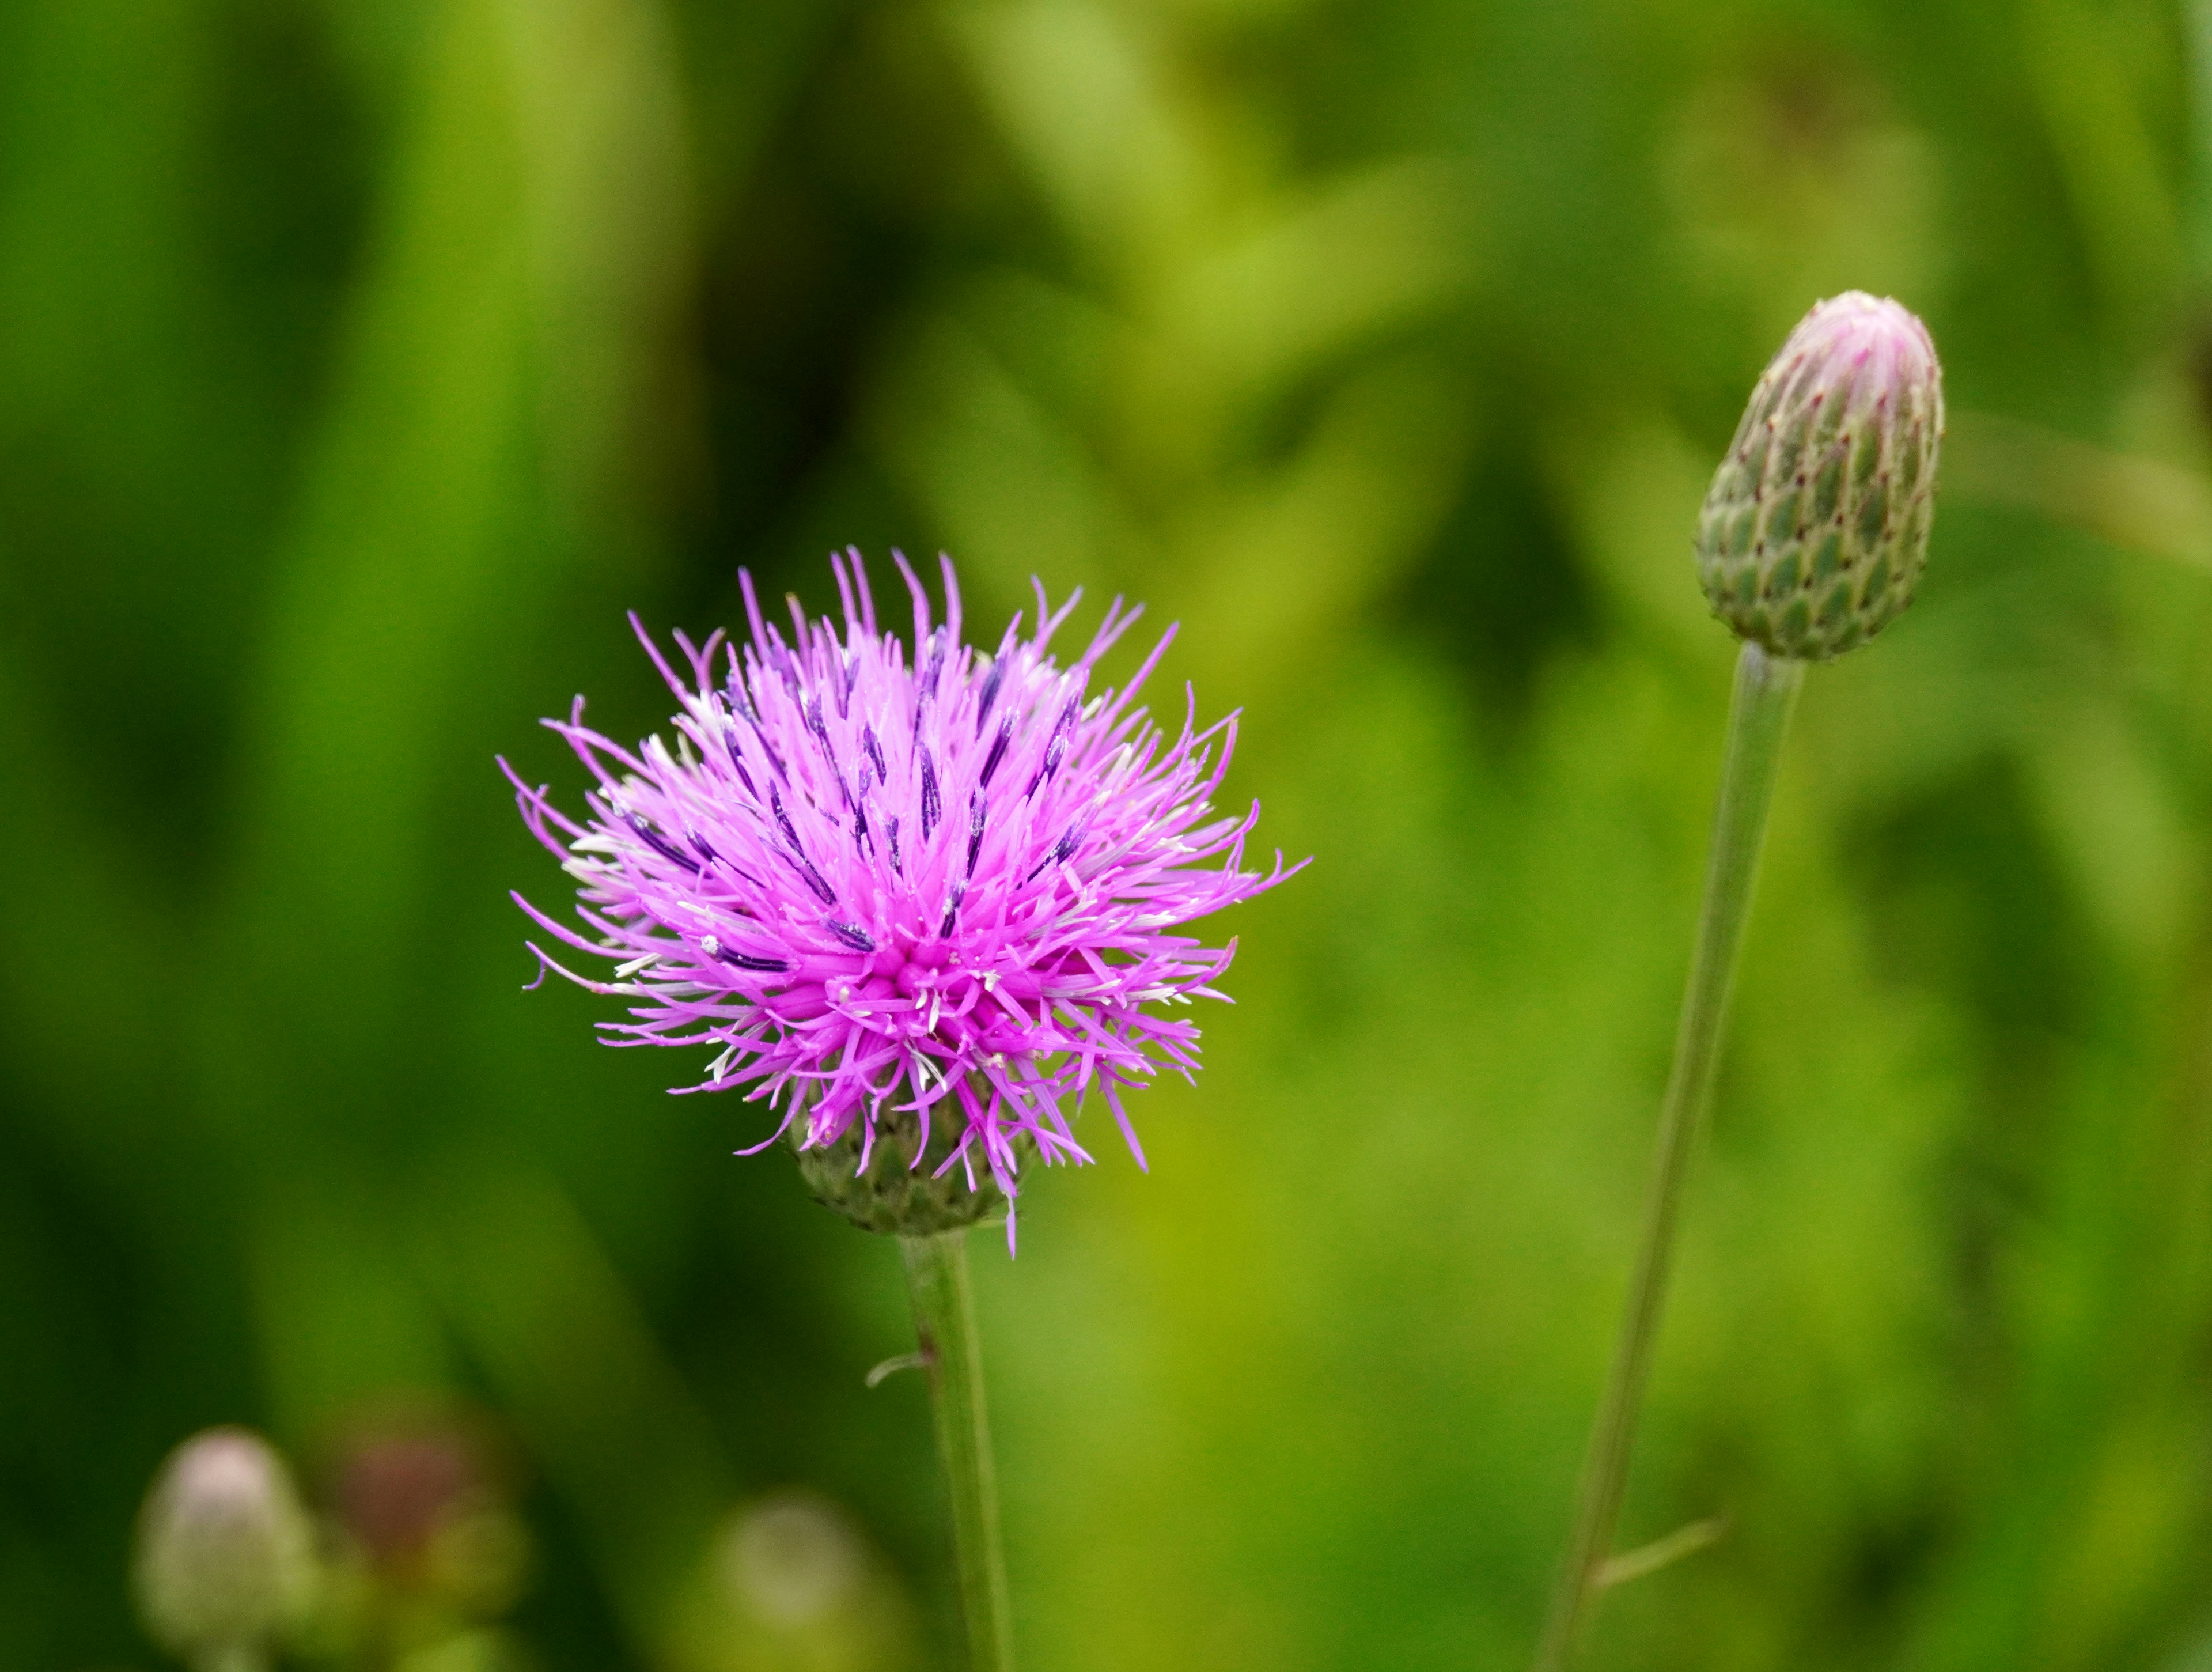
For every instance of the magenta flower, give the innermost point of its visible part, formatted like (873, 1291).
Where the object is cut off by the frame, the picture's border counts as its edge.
(893, 893)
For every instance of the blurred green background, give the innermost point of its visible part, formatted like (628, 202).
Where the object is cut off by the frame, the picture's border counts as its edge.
(361, 363)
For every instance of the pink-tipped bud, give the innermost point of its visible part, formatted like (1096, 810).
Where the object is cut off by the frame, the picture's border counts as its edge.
(1815, 529)
(225, 1559)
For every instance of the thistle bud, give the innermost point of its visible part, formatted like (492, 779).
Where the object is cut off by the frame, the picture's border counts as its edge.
(225, 1560)
(894, 1196)
(1815, 528)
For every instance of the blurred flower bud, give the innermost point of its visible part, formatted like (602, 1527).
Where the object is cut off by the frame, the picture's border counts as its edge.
(225, 1559)
(792, 1561)
(792, 1584)
(421, 1494)
(1815, 528)
(395, 1485)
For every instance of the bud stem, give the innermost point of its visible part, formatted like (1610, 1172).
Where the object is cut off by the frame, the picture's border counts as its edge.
(945, 1320)
(1758, 716)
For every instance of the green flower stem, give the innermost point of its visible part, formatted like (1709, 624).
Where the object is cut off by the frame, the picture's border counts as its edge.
(1758, 716)
(944, 1319)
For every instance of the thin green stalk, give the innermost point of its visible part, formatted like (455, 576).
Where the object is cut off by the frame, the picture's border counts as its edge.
(944, 1319)
(1758, 716)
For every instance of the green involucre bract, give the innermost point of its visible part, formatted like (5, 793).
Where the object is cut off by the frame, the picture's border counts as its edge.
(1815, 529)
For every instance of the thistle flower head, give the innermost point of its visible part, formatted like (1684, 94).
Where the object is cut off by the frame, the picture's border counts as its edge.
(1815, 528)
(919, 907)
(225, 1559)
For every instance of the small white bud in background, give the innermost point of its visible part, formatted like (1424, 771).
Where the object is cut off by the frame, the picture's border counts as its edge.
(225, 1563)
(792, 1584)
(793, 1559)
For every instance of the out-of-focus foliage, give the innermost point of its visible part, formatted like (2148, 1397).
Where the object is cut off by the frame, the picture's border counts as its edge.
(360, 364)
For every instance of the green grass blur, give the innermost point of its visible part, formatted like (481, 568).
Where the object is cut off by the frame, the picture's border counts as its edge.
(360, 364)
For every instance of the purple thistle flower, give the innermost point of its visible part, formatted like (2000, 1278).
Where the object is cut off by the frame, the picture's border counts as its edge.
(897, 895)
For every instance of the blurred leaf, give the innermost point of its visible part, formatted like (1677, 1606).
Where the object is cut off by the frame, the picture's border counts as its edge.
(534, 1300)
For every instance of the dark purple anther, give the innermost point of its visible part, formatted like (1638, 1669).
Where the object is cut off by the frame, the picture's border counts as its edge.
(998, 751)
(920, 707)
(875, 754)
(975, 815)
(738, 760)
(662, 846)
(984, 702)
(816, 724)
(851, 935)
(930, 805)
(952, 910)
(783, 819)
(1067, 845)
(767, 966)
(891, 829)
(1054, 752)
(815, 879)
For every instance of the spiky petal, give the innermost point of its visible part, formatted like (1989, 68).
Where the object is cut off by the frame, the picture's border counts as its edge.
(1815, 528)
(932, 901)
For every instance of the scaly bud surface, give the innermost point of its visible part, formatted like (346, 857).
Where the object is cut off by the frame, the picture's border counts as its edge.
(895, 1196)
(1815, 528)
(225, 1559)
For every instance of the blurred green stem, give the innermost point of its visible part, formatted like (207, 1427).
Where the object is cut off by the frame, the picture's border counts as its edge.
(944, 1319)
(1758, 716)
